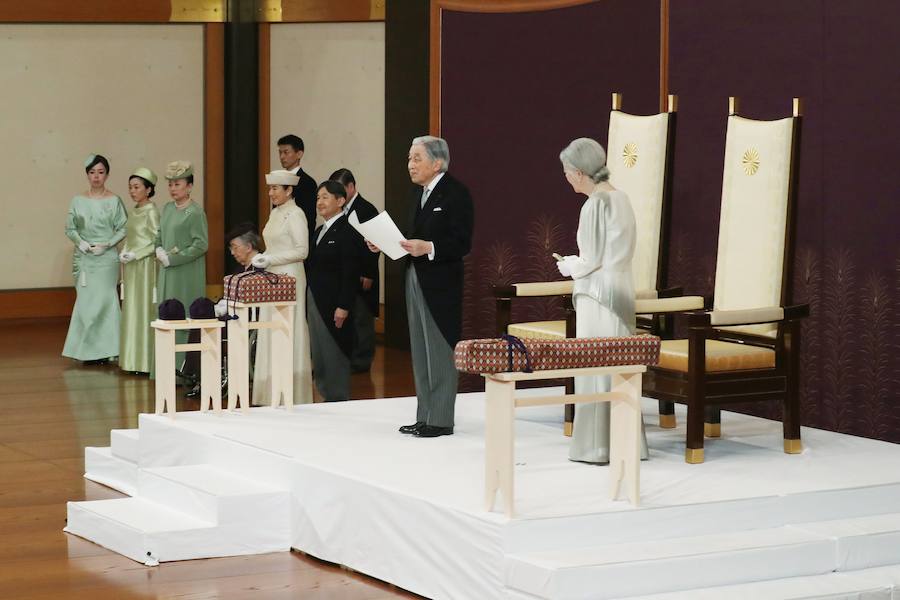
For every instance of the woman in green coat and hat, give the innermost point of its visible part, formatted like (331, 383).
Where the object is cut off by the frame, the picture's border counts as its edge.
(181, 244)
(139, 281)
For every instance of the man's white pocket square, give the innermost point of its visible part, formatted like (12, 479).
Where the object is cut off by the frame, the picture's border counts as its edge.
(437, 208)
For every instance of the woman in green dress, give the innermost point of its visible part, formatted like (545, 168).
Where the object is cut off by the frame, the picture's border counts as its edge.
(95, 224)
(181, 243)
(139, 282)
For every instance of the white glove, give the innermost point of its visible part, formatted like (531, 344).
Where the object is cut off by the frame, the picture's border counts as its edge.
(98, 249)
(126, 257)
(221, 307)
(261, 261)
(162, 257)
(565, 268)
(84, 246)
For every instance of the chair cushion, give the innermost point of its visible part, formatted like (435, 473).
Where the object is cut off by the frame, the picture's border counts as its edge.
(538, 330)
(720, 356)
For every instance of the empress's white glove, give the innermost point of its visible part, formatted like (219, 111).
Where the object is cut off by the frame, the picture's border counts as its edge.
(84, 246)
(162, 256)
(126, 256)
(221, 307)
(98, 249)
(261, 261)
(565, 268)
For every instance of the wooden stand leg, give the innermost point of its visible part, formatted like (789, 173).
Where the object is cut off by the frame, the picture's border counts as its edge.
(282, 375)
(791, 417)
(165, 372)
(625, 438)
(499, 445)
(210, 367)
(239, 361)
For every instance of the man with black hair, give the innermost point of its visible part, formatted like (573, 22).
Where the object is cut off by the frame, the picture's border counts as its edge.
(367, 296)
(290, 152)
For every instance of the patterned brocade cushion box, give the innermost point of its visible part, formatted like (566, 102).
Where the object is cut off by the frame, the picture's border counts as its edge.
(255, 287)
(493, 355)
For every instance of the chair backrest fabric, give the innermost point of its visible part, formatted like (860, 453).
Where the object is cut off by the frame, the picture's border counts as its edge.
(754, 216)
(636, 158)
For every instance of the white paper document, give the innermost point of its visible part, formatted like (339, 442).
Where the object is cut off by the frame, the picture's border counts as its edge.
(381, 231)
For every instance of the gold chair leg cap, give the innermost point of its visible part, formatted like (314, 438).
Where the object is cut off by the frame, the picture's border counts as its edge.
(793, 446)
(712, 430)
(667, 421)
(567, 429)
(693, 456)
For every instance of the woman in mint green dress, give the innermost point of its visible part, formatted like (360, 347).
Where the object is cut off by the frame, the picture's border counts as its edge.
(181, 244)
(138, 256)
(95, 224)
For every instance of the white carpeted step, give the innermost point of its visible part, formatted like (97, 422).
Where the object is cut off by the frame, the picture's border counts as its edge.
(207, 492)
(141, 530)
(862, 542)
(102, 466)
(870, 584)
(632, 569)
(149, 531)
(125, 444)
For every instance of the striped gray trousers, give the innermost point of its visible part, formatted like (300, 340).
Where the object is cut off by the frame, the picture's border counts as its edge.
(434, 369)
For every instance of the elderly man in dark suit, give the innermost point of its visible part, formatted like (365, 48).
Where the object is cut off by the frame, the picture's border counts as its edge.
(439, 236)
(367, 297)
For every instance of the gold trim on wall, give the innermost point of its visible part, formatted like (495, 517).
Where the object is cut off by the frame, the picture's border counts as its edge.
(269, 11)
(377, 10)
(198, 11)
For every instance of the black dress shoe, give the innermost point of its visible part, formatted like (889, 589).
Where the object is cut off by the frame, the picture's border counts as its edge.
(194, 393)
(412, 428)
(430, 431)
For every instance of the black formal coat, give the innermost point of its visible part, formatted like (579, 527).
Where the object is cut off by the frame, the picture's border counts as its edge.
(332, 274)
(305, 198)
(368, 261)
(446, 220)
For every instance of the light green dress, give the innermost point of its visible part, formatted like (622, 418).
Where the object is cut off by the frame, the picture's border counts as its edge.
(94, 327)
(183, 234)
(139, 304)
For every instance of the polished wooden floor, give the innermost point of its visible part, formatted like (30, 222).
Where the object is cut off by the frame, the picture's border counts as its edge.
(50, 409)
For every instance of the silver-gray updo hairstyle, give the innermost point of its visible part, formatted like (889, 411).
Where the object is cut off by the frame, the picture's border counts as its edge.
(585, 155)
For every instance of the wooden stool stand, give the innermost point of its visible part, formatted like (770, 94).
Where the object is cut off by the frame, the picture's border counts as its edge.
(210, 348)
(281, 355)
(625, 427)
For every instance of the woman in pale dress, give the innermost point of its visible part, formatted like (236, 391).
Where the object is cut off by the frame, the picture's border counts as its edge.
(604, 291)
(95, 224)
(138, 302)
(286, 235)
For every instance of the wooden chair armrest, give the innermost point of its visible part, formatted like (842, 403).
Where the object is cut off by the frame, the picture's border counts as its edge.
(748, 316)
(677, 304)
(534, 289)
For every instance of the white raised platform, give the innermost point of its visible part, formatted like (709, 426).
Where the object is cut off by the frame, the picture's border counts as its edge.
(348, 488)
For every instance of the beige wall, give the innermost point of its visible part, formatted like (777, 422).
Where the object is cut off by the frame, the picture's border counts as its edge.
(328, 88)
(133, 93)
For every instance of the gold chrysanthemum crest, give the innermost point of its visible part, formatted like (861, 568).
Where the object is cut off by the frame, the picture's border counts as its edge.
(629, 154)
(750, 161)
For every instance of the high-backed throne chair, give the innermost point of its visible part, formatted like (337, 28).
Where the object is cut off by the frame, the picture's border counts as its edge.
(746, 348)
(639, 158)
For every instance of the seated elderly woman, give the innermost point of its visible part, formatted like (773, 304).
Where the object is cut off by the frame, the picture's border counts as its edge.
(244, 243)
(604, 291)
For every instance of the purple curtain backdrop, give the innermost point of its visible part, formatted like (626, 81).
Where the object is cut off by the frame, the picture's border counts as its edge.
(841, 58)
(516, 88)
